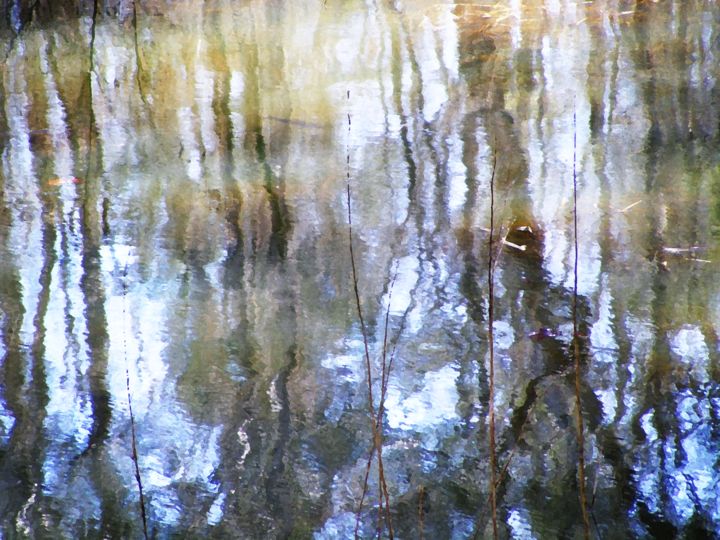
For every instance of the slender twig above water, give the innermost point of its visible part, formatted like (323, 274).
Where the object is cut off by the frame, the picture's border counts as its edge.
(376, 421)
(491, 348)
(576, 351)
(133, 436)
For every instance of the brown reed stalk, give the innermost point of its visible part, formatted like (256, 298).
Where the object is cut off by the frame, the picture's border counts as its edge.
(133, 436)
(383, 493)
(356, 290)
(503, 471)
(576, 352)
(376, 422)
(363, 493)
(491, 346)
(385, 365)
(384, 378)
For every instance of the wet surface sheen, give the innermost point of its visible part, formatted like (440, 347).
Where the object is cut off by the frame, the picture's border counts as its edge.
(173, 210)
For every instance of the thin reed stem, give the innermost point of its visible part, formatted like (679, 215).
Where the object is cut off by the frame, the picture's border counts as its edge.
(503, 471)
(376, 418)
(363, 328)
(576, 351)
(395, 343)
(385, 366)
(491, 346)
(384, 378)
(133, 436)
(384, 493)
(364, 491)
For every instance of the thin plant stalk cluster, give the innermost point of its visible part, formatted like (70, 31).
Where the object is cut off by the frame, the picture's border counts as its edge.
(496, 479)
(376, 415)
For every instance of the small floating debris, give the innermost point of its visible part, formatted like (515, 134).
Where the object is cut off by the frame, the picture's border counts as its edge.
(525, 235)
(630, 206)
(508, 243)
(64, 181)
(682, 251)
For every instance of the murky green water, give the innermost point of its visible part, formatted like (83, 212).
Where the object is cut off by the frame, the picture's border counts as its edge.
(173, 215)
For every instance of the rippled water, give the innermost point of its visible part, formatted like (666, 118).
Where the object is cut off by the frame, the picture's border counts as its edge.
(174, 237)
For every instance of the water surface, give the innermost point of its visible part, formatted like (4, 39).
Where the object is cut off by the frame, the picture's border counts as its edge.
(174, 236)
